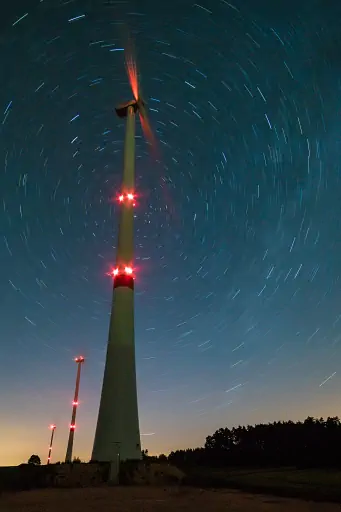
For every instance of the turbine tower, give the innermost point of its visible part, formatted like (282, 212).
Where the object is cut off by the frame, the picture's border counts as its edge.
(68, 458)
(53, 429)
(117, 436)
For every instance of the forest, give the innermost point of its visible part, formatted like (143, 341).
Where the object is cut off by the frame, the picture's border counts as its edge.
(313, 443)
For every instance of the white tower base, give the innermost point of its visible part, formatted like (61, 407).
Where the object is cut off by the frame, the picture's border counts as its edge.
(117, 435)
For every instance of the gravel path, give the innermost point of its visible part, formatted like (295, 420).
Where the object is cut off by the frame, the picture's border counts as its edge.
(152, 499)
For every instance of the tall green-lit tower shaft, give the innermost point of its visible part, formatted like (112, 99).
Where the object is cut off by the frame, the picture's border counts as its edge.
(117, 434)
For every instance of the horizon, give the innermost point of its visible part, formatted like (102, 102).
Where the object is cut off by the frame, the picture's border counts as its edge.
(237, 252)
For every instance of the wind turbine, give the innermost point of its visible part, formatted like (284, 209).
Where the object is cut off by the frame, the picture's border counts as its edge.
(117, 436)
(68, 457)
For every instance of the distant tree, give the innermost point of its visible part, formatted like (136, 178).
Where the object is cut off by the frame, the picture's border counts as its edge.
(76, 460)
(144, 454)
(35, 460)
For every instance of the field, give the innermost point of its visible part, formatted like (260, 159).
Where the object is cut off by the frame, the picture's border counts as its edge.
(238, 490)
(152, 499)
(311, 484)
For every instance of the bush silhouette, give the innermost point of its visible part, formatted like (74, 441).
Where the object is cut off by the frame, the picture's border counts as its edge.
(35, 460)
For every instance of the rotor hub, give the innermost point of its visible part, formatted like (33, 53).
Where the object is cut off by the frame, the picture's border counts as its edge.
(122, 109)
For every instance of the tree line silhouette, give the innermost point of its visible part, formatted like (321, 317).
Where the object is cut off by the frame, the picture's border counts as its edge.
(311, 443)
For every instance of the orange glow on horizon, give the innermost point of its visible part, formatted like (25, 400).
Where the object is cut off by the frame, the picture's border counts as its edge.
(23, 436)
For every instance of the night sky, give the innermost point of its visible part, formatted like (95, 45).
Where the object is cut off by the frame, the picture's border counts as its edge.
(238, 240)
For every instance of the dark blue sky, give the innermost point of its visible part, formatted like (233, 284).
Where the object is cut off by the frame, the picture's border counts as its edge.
(237, 225)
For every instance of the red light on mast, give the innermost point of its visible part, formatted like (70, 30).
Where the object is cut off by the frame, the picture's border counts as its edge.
(128, 270)
(130, 197)
(74, 403)
(52, 427)
(121, 198)
(72, 427)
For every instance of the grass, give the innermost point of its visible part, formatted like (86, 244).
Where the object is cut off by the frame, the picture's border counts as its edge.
(311, 484)
(320, 485)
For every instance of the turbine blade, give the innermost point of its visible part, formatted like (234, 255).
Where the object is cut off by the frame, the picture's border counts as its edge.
(132, 74)
(149, 135)
(147, 130)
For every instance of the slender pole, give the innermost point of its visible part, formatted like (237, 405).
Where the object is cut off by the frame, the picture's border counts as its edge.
(53, 428)
(68, 457)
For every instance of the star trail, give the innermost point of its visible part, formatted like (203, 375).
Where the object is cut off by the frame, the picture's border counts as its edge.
(237, 218)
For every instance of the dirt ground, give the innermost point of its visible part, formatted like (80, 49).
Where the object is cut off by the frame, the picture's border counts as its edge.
(149, 499)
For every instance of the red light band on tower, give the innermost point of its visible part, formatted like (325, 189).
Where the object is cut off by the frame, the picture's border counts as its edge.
(123, 277)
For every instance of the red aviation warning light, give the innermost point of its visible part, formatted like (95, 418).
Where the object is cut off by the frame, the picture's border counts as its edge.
(113, 273)
(74, 403)
(72, 427)
(127, 270)
(129, 197)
